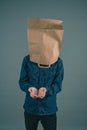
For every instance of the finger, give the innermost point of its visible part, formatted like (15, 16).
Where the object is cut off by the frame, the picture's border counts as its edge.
(31, 95)
(42, 96)
(30, 90)
(34, 95)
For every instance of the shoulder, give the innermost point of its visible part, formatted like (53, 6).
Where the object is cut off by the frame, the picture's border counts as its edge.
(60, 62)
(26, 58)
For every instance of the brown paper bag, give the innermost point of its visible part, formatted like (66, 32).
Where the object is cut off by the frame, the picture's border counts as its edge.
(44, 40)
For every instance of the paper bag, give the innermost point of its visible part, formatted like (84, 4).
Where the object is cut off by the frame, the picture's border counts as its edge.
(44, 40)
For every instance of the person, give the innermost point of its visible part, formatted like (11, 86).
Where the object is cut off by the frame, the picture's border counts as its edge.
(41, 83)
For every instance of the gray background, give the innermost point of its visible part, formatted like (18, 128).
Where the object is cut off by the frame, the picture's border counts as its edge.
(13, 47)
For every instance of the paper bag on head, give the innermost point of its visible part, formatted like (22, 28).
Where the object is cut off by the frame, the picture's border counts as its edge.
(44, 40)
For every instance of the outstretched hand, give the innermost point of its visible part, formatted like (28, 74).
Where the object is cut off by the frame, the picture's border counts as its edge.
(35, 93)
(42, 92)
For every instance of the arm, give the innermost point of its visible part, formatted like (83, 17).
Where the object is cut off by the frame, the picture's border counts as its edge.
(56, 85)
(24, 78)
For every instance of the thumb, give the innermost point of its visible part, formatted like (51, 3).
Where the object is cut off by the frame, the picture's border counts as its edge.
(30, 89)
(44, 89)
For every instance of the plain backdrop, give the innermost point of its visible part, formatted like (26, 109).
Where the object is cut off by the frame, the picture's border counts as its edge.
(72, 101)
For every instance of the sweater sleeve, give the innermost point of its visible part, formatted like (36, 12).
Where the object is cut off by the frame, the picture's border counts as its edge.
(56, 85)
(24, 77)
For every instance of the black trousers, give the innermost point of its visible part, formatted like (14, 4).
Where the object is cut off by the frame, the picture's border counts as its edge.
(48, 121)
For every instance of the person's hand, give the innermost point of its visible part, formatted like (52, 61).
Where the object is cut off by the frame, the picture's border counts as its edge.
(33, 92)
(42, 92)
